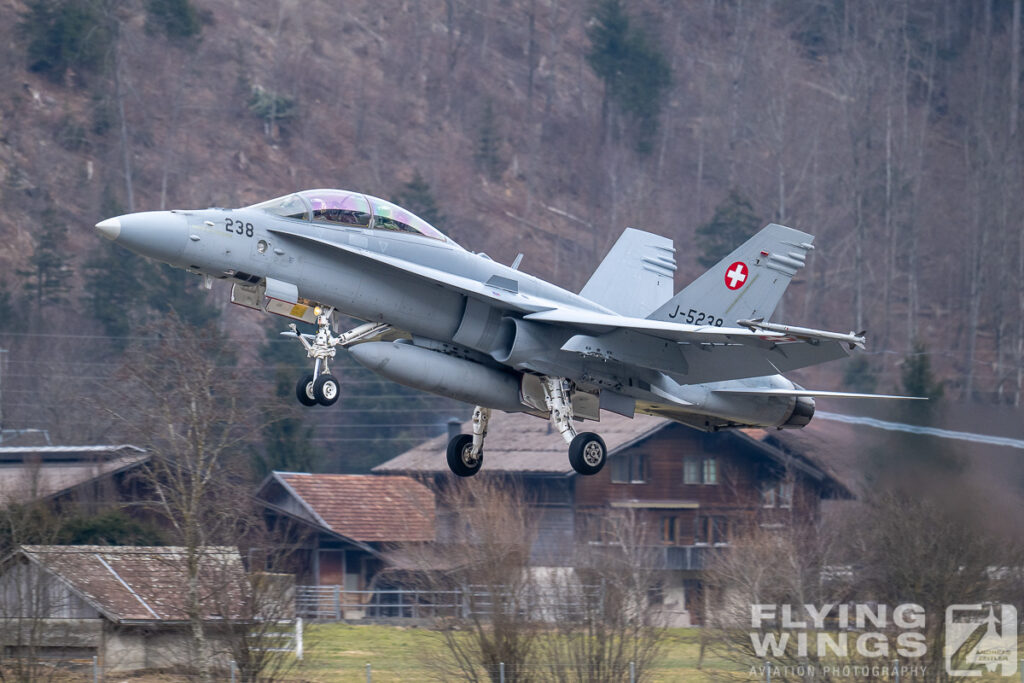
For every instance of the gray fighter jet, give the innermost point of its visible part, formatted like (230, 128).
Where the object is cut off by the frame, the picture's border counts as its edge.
(455, 323)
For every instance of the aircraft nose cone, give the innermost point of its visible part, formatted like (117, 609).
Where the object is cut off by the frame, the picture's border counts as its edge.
(161, 235)
(109, 228)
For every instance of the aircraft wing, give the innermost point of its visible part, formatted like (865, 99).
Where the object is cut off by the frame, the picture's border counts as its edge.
(696, 353)
(498, 297)
(682, 332)
(812, 393)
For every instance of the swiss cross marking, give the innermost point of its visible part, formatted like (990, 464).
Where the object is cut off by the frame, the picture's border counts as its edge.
(736, 275)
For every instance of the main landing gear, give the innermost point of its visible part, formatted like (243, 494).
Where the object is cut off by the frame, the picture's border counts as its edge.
(322, 387)
(465, 451)
(587, 451)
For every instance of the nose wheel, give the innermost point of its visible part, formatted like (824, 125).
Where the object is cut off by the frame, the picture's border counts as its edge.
(304, 391)
(321, 387)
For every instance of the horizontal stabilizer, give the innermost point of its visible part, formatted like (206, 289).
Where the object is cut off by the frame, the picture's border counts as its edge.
(805, 392)
(636, 276)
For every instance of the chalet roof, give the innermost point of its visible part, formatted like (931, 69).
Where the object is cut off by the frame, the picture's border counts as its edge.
(362, 507)
(64, 451)
(31, 472)
(521, 443)
(834, 447)
(144, 583)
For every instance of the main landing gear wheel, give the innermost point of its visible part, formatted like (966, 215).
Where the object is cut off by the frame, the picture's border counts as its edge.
(304, 391)
(326, 390)
(461, 459)
(587, 453)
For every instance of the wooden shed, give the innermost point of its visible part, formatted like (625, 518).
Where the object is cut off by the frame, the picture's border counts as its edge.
(124, 605)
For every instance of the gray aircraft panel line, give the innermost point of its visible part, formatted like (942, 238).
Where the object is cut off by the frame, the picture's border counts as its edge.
(928, 431)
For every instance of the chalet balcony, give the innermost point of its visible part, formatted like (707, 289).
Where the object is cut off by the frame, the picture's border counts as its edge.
(666, 557)
(683, 557)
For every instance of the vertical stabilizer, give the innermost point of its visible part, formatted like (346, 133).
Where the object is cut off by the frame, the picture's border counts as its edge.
(636, 276)
(745, 285)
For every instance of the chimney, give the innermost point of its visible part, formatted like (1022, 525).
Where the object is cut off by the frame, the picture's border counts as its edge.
(454, 428)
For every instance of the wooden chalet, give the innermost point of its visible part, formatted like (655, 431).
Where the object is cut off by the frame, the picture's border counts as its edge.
(342, 523)
(690, 490)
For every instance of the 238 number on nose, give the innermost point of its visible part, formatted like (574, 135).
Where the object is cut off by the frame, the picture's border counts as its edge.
(238, 227)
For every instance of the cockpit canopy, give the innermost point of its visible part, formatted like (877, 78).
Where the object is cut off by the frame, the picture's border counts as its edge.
(349, 209)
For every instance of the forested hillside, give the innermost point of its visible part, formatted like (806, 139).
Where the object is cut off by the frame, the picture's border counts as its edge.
(887, 128)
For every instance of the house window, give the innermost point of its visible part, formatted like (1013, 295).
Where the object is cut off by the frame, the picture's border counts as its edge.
(777, 493)
(700, 470)
(629, 469)
(691, 471)
(785, 494)
(710, 471)
(670, 530)
(712, 529)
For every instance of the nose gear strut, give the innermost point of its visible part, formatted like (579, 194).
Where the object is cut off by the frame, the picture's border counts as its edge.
(321, 386)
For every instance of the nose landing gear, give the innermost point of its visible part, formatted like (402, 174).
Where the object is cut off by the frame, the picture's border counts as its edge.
(322, 387)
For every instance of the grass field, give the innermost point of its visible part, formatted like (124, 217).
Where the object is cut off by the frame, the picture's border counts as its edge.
(339, 653)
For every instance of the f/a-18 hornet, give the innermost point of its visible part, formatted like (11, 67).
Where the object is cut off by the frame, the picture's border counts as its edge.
(452, 322)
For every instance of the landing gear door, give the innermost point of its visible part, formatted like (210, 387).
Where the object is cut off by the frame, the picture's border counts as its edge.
(531, 393)
(283, 299)
(586, 406)
(250, 296)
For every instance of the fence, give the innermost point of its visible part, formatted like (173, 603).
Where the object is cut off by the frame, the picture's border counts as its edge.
(332, 603)
(326, 603)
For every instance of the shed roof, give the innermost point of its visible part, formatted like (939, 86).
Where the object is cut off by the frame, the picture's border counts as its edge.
(28, 473)
(146, 583)
(364, 507)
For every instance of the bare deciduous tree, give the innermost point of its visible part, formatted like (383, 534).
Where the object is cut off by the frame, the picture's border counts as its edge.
(484, 555)
(190, 415)
(603, 618)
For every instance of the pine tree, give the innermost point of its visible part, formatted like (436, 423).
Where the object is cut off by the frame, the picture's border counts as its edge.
(115, 290)
(64, 35)
(917, 375)
(176, 19)
(488, 149)
(860, 376)
(635, 73)
(7, 308)
(733, 223)
(172, 289)
(417, 196)
(48, 277)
